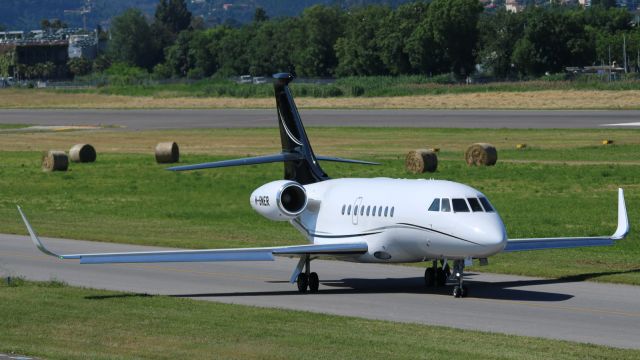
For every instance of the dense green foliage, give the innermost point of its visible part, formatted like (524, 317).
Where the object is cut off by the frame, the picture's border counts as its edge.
(416, 38)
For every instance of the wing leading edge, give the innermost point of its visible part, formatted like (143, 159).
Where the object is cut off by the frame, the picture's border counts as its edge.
(241, 254)
(571, 242)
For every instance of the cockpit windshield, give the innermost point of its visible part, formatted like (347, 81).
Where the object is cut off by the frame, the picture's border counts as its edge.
(460, 205)
(485, 203)
(472, 204)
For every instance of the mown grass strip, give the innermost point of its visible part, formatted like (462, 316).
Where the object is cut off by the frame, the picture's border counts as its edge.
(55, 321)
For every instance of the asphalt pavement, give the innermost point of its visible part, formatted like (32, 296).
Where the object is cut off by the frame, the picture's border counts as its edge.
(606, 314)
(232, 118)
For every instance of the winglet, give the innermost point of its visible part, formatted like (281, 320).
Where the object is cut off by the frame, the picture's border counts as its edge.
(623, 220)
(34, 236)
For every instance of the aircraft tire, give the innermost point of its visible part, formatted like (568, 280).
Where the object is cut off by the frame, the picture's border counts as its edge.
(429, 277)
(303, 283)
(314, 282)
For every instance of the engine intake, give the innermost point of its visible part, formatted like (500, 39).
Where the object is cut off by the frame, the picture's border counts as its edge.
(279, 200)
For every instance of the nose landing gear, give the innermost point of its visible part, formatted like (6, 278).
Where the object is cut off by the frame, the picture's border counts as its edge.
(459, 290)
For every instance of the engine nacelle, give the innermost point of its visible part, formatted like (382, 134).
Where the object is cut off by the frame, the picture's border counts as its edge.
(279, 200)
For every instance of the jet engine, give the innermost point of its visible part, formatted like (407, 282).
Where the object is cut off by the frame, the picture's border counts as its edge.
(280, 200)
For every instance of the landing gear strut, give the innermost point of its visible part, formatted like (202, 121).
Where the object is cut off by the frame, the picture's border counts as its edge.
(459, 290)
(437, 276)
(307, 279)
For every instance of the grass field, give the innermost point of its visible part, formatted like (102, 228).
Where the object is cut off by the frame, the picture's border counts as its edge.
(53, 321)
(493, 99)
(564, 184)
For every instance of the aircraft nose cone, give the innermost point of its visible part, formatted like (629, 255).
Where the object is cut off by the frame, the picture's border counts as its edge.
(491, 234)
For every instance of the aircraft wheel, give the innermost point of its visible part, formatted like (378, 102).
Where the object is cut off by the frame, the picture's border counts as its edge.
(441, 279)
(429, 277)
(457, 291)
(314, 282)
(303, 283)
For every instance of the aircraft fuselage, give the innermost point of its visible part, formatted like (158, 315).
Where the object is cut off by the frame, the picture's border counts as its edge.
(393, 217)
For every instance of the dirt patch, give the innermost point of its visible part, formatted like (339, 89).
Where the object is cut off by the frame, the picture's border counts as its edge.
(552, 99)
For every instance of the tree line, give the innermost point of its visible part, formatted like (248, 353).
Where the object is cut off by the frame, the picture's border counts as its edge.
(429, 38)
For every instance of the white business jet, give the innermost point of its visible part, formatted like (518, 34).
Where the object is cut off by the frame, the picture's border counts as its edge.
(377, 220)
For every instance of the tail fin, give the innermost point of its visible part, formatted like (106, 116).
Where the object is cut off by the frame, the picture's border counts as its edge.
(294, 137)
(300, 163)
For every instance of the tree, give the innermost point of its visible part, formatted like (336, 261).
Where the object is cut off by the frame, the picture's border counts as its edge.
(394, 34)
(260, 15)
(358, 50)
(177, 56)
(454, 27)
(173, 15)
(498, 36)
(132, 41)
(604, 3)
(551, 41)
(321, 26)
(79, 66)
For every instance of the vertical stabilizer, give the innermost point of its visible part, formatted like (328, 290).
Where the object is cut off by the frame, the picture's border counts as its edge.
(293, 137)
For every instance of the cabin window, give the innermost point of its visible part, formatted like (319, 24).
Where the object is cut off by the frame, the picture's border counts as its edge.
(475, 204)
(392, 208)
(362, 210)
(368, 210)
(379, 210)
(435, 205)
(446, 205)
(355, 210)
(485, 203)
(386, 211)
(460, 205)
(349, 210)
(373, 213)
(344, 207)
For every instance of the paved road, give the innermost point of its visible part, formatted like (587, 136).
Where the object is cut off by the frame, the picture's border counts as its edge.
(171, 119)
(577, 311)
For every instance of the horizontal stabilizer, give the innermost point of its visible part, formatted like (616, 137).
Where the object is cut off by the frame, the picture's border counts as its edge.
(281, 157)
(351, 161)
(241, 254)
(572, 242)
(239, 162)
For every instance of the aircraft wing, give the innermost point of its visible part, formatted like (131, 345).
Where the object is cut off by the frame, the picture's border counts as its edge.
(571, 242)
(241, 254)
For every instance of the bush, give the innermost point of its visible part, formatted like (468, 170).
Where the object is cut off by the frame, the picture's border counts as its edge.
(122, 74)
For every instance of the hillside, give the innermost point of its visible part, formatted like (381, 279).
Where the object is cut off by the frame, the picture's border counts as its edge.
(27, 14)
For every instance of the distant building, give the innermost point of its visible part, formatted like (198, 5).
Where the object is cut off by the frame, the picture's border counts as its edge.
(43, 54)
(83, 46)
(513, 6)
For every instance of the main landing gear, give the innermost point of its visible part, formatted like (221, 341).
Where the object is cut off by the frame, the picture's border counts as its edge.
(307, 279)
(436, 276)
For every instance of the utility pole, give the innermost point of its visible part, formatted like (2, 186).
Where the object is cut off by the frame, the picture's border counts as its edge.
(624, 51)
(609, 62)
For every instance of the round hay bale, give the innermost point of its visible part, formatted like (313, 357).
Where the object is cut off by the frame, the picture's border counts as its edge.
(55, 161)
(167, 152)
(421, 160)
(82, 153)
(481, 154)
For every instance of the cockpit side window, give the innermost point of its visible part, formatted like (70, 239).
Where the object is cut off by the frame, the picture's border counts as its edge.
(446, 205)
(460, 205)
(485, 203)
(435, 205)
(475, 204)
